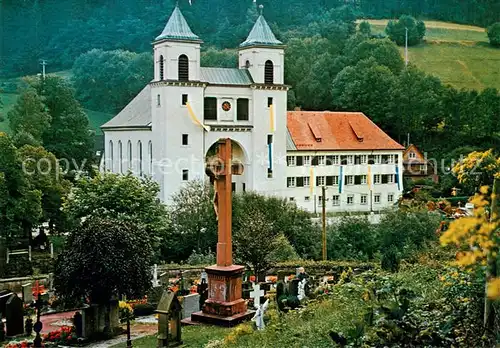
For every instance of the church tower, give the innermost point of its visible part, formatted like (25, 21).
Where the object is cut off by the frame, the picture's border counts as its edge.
(177, 51)
(263, 55)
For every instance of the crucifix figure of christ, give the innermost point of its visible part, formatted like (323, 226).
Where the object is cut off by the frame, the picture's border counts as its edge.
(224, 305)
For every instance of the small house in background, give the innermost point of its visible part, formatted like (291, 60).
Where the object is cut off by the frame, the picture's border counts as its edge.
(416, 165)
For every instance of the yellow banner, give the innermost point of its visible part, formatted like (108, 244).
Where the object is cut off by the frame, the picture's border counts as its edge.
(311, 181)
(195, 119)
(272, 121)
(369, 177)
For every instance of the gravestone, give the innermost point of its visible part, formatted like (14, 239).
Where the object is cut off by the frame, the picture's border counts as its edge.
(4, 297)
(294, 287)
(27, 293)
(14, 313)
(203, 291)
(190, 305)
(169, 320)
(78, 324)
(257, 294)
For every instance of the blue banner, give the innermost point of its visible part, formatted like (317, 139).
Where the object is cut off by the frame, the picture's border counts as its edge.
(341, 176)
(397, 177)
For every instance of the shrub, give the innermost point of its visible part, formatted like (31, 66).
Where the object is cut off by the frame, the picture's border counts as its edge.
(352, 238)
(142, 310)
(200, 258)
(390, 260)
(494, 34)
(397, 30)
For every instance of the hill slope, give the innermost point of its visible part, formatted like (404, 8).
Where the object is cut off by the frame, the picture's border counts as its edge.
(458, 54)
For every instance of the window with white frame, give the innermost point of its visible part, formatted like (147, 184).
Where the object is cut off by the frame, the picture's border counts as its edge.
(350, 199)
(307, 199)
(390, 197)
(364, 159)
(321, 160)
(185, 174)
(320, 200)
(290, 182)
(290, 161)
(376, 198)
(335, 180)
(390, 179)
(291, 199)
(349, 179)
(376, 179)
(364, 199)
(412, 155)
(363, 179)
(307, 160)
(335, 159)
(306, 181)
(350, 159)
(320, 181)
(390, 159)
(377, 159)
(336, 200)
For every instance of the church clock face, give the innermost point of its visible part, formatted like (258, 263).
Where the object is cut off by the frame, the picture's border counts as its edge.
(226, 106)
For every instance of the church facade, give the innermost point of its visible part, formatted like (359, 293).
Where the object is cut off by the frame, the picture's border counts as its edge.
(170, 129)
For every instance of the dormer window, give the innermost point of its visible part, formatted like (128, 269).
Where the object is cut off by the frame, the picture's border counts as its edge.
(183, 68)
(269, 73)
(161, 68)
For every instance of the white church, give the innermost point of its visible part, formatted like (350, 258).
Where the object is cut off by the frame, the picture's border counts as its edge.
(171, 127)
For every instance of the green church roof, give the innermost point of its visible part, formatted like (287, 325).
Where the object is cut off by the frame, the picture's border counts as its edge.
(261, 35)
(177, 28)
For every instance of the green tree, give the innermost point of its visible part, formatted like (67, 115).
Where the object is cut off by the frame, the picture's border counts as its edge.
(254, 242)
(194, 226)
(397, 30)
(104, 258)
(68, 136)
(219, 58)
(284, 217)
(29, 115)
(494, 34)
(365, 29)
(44, 174)
(108, 80)
(123, 197)
(352, 238)
(384, 52)
(20, 204)
(365, 87)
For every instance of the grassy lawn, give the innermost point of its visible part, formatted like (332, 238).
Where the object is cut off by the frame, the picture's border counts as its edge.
(192, 336)
(458, 54)
(97, 119)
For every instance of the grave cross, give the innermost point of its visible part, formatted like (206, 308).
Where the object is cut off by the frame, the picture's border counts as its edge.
(256, 294)
(37, 342)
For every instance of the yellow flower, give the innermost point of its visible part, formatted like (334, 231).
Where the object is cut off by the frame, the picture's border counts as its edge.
(493, 290)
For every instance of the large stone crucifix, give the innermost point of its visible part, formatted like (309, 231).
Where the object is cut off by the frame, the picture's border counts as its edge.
(224, 305)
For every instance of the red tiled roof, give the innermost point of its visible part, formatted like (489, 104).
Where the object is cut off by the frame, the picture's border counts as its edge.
(339, 131)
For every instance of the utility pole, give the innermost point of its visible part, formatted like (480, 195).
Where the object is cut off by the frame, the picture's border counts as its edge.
(406, 46)
(323, 188)
(43, 63)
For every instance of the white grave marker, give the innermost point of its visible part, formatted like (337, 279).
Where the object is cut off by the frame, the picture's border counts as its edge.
(256, 294)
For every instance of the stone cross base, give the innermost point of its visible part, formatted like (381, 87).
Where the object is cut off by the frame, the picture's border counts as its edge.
(224, 305)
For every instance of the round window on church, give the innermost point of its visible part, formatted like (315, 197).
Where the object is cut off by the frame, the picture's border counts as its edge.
(226, 106)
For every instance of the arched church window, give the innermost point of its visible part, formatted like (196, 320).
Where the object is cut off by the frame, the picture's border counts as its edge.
(139, 151)
(110, 155)
(150, 154)
(129, 150)
(269, 73)
(120, 156)
(183, 68)
(247, 64)
(161, 68)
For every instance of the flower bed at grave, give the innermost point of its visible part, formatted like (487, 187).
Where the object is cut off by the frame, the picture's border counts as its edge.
(22, 344)
(65, 335)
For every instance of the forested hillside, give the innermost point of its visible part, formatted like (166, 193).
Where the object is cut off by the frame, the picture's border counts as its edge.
(62, 30)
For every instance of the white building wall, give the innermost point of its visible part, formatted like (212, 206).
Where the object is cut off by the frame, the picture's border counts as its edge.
(257, 57)
(308, 197)
(126, 162)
